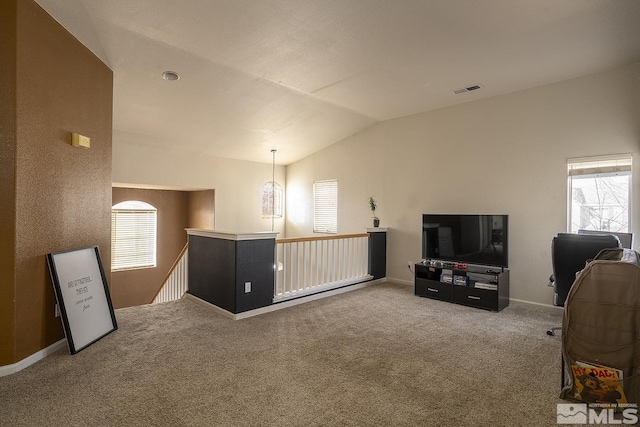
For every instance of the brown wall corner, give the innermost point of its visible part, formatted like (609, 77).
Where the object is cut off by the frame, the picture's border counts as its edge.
(137, 287)
(8, 36)
(202, 209)
(63, 193)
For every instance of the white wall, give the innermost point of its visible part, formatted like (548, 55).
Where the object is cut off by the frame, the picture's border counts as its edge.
(237, 184)
(505, 154)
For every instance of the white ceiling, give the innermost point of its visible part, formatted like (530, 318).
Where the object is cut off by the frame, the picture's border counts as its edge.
(300, 75)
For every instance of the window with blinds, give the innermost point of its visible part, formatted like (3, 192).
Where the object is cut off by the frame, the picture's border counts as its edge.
(599, 193)
(133, 235)
(272, 200)
(325, 206)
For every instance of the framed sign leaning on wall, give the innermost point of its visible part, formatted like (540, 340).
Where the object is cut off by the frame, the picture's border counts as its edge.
(83, 296)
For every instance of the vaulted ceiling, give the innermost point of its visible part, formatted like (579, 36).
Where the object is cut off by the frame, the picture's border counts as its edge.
(300, 75)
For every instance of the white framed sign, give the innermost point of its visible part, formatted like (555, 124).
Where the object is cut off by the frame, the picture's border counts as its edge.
(83, 296)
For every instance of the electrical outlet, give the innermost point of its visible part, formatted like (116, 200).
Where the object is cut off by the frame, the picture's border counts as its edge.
(56, 311)
(247, 287)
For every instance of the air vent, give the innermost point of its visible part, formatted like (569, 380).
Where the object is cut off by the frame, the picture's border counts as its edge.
(467, 89)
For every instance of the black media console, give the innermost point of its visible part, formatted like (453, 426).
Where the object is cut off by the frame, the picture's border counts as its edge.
(476, 286)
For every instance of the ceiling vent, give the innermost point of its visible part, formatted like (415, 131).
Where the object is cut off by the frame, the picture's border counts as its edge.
(467, 89)
(170, 75)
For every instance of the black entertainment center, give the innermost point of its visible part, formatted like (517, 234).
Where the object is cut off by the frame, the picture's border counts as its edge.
(465, 260)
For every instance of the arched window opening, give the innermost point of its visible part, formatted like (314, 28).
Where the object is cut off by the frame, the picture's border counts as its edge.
(133, 235)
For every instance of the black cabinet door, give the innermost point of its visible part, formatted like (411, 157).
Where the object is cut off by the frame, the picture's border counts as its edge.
(432, 289)
(481, 298)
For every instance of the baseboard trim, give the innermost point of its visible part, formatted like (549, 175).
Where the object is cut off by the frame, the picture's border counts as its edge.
(401, 281)
(284, 304)
(537, 303)
(36, 357)
(207, 304)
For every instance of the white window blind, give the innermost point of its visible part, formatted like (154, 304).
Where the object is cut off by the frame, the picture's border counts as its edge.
(272, 200)
(599, 193)
(133, 235)
(325, 206)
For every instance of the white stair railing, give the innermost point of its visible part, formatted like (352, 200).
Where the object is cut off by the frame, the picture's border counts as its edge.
(176, 283)
(314, 264)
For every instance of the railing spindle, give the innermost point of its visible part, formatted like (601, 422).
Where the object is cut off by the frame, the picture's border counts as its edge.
(313, 264)
(175, 283)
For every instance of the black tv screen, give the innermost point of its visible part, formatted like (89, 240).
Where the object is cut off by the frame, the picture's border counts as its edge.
(470, 239)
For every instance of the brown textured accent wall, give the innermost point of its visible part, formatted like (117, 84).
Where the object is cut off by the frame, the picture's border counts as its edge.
(7, 179)
(202, 209)
(137, 287)
(63, 193)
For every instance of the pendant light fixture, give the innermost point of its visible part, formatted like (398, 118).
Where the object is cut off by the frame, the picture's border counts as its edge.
(273, 188)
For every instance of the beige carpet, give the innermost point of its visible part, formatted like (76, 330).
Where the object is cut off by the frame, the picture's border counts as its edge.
(377, 356)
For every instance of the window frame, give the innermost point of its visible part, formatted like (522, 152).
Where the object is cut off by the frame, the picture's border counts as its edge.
(134, 245)
(325, 206)
(599, 167)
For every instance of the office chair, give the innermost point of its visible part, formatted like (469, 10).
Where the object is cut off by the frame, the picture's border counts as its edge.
(569, 255)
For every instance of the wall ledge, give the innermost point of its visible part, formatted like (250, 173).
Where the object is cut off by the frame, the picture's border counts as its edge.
(227, 235)
(36, 357)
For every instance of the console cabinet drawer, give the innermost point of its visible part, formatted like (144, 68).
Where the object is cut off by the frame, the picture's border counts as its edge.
(481, 298)
(433, 289)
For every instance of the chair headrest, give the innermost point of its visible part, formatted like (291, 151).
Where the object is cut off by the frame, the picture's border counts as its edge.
(585, 239)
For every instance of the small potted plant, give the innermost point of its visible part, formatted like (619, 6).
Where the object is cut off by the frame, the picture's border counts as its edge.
(373, 205)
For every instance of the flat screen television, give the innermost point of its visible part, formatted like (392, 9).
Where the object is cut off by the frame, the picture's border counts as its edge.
(466, 238)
